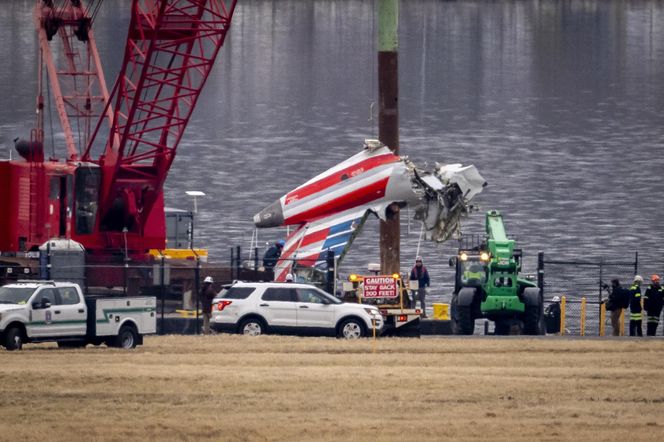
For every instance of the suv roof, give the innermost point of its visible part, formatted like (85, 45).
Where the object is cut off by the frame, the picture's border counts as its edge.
(272, 284)
(35, 284)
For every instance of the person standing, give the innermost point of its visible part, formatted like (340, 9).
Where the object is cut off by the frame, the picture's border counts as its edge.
(653, 299)
(273, 254)
(552, 316)
(635, 308)
(207, 295)
(618, 300)
(420, 274)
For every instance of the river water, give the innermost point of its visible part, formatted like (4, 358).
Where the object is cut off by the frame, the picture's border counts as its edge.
(559, 104)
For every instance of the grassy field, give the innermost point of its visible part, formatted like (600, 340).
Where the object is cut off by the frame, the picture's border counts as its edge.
(286, 388)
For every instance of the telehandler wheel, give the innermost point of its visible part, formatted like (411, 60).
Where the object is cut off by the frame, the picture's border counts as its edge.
(465, 323)
(503, 328)
(533, 321)
(533, 316)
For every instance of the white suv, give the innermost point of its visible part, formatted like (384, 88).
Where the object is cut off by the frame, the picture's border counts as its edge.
(254, 308)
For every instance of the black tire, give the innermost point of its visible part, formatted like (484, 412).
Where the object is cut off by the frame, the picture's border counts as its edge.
(72, 344)
(533, 315)
(465, 323)
(352, 328)
(13, 339)
(252, 327)
(127, 337)
(503, 328)
(533, 321)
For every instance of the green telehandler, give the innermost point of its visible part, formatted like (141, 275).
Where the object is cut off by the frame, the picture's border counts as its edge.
(488, 284)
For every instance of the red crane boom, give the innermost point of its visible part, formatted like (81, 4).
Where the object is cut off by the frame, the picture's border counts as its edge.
(170, 50)
(108, 193)
(75, 77)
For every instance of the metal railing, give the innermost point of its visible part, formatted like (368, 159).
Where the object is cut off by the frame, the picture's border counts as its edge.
(583, 284)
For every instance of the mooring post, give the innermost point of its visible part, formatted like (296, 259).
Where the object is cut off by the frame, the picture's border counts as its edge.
(388, 122)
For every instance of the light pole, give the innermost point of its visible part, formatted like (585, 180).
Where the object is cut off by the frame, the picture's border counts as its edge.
(195, 194)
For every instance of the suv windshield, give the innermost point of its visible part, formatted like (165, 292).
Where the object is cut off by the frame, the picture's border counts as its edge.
(332, 299)
(15, 295)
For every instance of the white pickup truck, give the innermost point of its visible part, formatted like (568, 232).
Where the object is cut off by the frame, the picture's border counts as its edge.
(38, 311)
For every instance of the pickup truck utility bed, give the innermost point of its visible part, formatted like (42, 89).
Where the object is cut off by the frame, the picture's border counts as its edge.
(38, 311)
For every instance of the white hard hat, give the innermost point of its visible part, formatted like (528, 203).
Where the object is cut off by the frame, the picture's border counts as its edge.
(289, 277)
(638, 279)
(555, 299)
(208, 279)
(418, 258)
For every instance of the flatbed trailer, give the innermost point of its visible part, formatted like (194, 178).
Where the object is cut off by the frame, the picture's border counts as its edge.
(388, 293)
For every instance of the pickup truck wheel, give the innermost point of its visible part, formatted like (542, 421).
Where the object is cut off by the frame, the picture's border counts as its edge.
(351, 329)
(127, 337)
(251, 327)
(13, 339)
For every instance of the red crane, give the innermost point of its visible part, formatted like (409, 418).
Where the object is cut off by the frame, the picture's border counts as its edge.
(108, 192)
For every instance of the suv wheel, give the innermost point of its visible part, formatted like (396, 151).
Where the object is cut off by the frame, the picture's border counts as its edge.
(252, 327)
(351, 329)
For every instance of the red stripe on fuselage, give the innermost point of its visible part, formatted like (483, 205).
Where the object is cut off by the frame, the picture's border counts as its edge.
(339, 176)
(352, 199)
(307, 261)
(315, 237)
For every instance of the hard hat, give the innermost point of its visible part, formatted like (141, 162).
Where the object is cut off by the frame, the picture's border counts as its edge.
(208, 279)
(418, 258)
(281, 242)
(555, 299)
(289, 278)
(638, 279)
(654, 278)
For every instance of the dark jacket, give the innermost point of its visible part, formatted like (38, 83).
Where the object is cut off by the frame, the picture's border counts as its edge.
(618, 298)
(421, 275)
(635, 299)
(207, 295)
(271, 256)
(552, 317)
(653, 300)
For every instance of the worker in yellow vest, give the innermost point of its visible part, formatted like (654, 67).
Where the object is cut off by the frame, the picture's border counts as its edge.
(635, 308)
